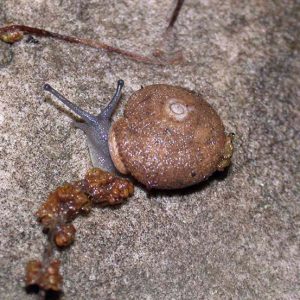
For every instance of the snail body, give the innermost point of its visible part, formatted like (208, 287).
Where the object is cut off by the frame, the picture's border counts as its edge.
(168, 138)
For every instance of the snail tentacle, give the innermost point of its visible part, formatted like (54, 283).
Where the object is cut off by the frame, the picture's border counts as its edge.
(87, 117)
(111, 106)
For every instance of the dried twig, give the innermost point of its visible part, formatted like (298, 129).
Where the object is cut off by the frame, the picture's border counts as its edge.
(14, 33)
(175, 14)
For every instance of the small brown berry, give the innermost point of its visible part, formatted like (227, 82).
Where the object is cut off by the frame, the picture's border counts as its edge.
(65, 235)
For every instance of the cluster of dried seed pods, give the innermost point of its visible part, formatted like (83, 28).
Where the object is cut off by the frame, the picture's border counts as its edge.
(61, 208)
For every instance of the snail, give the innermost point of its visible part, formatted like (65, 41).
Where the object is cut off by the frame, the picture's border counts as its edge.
(168, 138)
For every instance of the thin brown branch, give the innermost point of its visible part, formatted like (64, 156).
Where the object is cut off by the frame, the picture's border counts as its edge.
(13, 33)
(175, 14)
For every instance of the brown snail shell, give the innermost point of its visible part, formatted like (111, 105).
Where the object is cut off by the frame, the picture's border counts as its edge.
(169, 138)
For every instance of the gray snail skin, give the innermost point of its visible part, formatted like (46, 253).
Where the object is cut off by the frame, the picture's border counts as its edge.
(168, 138)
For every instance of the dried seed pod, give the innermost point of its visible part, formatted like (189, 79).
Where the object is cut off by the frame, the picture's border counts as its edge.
(67, 201)
(106, 189)
(11, 37)
(64, 235)
(46, 277)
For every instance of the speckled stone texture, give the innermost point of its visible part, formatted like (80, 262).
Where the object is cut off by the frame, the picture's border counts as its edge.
(232, 237)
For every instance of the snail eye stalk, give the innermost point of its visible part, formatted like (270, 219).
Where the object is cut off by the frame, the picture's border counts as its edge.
(111, 106)
(87, 117)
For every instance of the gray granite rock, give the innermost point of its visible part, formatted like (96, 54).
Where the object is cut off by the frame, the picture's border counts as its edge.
(233, 237)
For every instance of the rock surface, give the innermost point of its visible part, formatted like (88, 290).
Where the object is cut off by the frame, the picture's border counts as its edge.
(232, 237)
